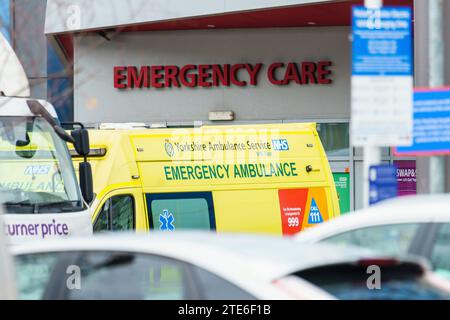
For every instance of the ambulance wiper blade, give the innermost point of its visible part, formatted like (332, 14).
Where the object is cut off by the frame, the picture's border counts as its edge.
(39, 207)
(23, 204)
(64, 206)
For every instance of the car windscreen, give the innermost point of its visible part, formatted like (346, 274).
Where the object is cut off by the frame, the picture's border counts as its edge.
(362, 281)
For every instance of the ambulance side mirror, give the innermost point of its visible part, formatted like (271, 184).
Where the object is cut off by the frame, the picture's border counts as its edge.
(86, 183)
(82, 147)
(81, 141)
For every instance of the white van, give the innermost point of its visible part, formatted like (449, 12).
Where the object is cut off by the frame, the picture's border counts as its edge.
(41, 194)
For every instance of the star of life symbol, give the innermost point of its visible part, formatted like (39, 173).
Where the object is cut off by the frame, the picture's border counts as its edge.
(166, 220)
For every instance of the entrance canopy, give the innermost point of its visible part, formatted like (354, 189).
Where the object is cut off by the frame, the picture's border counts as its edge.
(66, 17)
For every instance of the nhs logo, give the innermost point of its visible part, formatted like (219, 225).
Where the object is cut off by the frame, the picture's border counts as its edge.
(36, 169)
(280, 145)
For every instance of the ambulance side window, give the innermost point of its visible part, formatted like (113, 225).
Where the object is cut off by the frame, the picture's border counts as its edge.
(122, 213)
(102, 222)
(184, 210)
(117, 214)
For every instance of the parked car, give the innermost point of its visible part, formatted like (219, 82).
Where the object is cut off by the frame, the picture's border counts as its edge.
(418, 225)
(197, 265)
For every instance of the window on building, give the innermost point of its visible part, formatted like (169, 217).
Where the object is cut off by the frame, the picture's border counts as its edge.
(60, 81)
(5, 19)
(385, 152)
(335, 138)
(168, 212)
(59, 92)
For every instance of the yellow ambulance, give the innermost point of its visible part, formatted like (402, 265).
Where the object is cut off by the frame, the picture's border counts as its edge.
(271, 178)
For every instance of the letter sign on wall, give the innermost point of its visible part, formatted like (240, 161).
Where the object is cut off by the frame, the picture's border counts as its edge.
(222, 75)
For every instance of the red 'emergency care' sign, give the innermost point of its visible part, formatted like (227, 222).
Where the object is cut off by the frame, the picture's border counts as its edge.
(221, 75)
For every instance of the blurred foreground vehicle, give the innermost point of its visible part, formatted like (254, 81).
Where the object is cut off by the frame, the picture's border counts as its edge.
(211, 266)
(417, 225)
(38, 184)
(271, 178)
(7, 288)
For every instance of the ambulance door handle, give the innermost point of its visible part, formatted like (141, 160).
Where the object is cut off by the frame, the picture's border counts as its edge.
(309, 168)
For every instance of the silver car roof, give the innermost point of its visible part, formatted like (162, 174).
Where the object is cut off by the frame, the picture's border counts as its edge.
(229, 255)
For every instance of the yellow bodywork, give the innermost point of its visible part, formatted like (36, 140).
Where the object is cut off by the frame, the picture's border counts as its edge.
(261, 178)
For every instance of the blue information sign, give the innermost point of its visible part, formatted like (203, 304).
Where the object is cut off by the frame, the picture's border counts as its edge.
(382, 183)
(382, 82)
(382, 41)
(431, 133)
